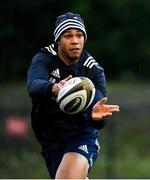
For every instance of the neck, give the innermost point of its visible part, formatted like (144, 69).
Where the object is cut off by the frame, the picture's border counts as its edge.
(66, 60)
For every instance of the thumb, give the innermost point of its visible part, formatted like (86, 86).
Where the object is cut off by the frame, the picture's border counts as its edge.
(103, 101)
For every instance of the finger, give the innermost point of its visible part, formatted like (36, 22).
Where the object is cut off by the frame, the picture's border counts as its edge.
(102, 101)
(114, 110)
(99, 117)
(62, 82)
(112, 106)
(55, 89)
(68, 78)
(108, 114)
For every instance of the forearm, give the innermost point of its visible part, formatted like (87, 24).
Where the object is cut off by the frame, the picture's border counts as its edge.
(39, 87)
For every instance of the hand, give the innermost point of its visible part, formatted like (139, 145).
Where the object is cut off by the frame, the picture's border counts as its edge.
(57, 86)
(101, 110)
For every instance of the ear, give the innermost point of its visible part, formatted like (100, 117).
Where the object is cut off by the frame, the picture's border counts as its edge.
(56, 43)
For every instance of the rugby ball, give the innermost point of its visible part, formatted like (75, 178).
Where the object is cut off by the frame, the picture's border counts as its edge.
(76, 95)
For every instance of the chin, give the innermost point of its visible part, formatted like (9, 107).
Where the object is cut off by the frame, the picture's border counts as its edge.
(75, 55)
(74, 59)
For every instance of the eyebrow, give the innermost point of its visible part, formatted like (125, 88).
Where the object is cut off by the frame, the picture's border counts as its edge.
(69, 30)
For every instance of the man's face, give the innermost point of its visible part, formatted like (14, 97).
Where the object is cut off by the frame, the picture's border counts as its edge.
(70, 45)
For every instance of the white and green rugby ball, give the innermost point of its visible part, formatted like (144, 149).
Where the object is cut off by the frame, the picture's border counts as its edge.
(76, 95)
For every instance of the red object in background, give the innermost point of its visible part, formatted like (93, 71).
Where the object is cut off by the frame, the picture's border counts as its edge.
(16, 126)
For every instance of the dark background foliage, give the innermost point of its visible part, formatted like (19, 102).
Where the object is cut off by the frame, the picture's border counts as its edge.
(118, 34)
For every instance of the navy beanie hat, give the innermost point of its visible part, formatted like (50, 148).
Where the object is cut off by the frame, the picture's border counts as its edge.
(66, 21)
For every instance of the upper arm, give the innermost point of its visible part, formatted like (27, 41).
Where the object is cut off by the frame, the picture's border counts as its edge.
(38, 69)
(97, 75)
(38, 75)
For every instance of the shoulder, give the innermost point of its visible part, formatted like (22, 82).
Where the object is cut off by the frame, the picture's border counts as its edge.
(51, 50)
(90, 62)
(45, 55)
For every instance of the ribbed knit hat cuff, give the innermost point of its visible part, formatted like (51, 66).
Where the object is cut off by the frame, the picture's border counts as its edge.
(74, 22)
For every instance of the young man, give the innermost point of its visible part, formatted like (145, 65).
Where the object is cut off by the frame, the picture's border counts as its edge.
(69, 142)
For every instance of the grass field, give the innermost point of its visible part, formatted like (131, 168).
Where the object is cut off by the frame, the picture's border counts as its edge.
(125, 141)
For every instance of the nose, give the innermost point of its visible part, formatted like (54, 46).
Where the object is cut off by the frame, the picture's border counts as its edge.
(74, 40)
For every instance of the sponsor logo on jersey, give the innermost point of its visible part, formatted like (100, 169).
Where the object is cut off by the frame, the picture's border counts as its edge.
(84, 148)
(56, 73)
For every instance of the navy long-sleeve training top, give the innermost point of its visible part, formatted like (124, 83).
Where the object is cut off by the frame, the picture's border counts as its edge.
(53, 128)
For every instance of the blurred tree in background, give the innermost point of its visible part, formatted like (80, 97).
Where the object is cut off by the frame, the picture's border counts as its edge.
(118, 34)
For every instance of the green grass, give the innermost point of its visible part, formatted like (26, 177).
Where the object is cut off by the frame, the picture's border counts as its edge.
(22, 163)
(125, 142)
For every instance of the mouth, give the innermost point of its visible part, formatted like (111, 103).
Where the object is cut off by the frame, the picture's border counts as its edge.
(75, 50)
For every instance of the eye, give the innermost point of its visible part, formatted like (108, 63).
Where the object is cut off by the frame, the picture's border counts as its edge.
(67, 35)
(79, 35)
